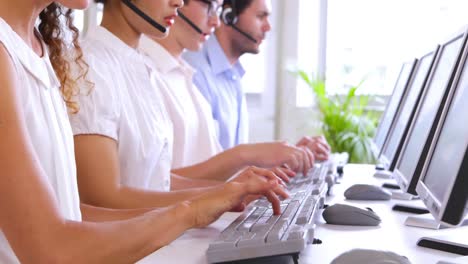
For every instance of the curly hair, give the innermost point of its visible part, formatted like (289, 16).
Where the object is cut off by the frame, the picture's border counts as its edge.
(64, 57)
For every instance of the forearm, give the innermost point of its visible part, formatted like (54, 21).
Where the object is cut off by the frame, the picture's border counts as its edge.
(121, 241)
(181, 183)
(220, 167)
(99, 214)
(124, 197)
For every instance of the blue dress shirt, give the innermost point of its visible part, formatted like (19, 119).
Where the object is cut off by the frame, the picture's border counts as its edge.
(220, 83)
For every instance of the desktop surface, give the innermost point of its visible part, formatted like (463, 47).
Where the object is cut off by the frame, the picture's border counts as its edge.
(390, 235)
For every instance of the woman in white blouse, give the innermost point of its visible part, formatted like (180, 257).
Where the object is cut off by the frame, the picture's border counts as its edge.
(197, 152)
(123, 134)
(41, 218)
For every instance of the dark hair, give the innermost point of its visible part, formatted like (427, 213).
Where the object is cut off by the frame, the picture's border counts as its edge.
(240, 5)
(64, 57)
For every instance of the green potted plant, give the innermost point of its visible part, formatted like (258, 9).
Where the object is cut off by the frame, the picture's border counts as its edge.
(346, 124)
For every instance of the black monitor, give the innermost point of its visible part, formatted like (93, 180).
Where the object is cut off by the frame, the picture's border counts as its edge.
(403, 118)
(415, 147)
(443, 185)
(444, 177)
(393, 105)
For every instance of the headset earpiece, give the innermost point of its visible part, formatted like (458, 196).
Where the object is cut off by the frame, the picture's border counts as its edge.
(228, 16)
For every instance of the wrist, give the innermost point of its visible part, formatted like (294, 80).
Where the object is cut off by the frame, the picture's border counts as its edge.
(208, 207)
(185, 214)
(241, 155)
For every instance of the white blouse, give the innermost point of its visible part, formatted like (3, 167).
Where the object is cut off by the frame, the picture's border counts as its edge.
(125, 105)
(47, 127)
(195, 136)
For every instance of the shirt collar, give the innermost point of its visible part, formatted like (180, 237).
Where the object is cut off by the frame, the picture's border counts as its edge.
(218, 60)
(163, 60)
(104, 37)
(38, 67)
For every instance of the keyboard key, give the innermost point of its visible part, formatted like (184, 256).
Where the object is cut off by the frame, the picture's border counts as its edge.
(277, 231)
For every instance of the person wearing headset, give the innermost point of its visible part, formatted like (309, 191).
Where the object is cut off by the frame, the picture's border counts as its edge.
(123, 134)
(196, 151)
(41, 217)
(218, 71)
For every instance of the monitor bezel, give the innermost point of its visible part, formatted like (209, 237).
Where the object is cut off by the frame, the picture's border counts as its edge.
(442, 212)
(375, 147)
(382, 157)
(402, 181)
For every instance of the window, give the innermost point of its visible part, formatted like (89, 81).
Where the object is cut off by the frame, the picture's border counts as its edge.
(307, 46)
(369, 39)
(255, 70)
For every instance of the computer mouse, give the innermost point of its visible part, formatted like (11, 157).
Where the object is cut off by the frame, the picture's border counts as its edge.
(370, 256)
(343, 214)
(367, 192)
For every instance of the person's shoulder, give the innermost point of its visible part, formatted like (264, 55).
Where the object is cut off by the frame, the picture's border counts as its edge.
(9, 90)
(5, 56)
(6, 64)
(94, 49)
(197, 59)
(101, 59)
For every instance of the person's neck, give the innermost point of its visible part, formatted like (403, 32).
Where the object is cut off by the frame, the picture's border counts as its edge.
(114, 22)
(225, 41)
(22, 17)
(171, 45)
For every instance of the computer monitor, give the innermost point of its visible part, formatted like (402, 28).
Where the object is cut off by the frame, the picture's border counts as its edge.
(393, 105)
(403, 118)
(444, 177)
(415, 147)
(443, 185)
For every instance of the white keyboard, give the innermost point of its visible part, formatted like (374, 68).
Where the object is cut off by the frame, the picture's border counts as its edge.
(259, 233)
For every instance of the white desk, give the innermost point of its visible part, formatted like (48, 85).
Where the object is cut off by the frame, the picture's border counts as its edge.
(391, 235)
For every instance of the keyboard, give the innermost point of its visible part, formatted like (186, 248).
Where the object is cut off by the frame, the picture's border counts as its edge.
(259, 233)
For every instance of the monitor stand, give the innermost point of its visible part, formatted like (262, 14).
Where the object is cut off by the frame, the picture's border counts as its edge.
(383, 174)
(428, 221)
(400, 195)
(451, 244)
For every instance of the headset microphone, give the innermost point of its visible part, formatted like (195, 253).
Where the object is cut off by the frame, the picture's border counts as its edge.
(229, 17)
(186, 19)
(245, 34)
(147, 18)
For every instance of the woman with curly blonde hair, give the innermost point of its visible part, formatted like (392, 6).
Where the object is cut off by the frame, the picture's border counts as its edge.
(41, 217)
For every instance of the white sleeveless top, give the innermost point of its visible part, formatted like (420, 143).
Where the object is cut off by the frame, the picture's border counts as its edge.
(126, 105)
(47, 125)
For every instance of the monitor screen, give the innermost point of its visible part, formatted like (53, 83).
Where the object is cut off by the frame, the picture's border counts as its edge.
(393, 104)
(442, 172)
(404, 116)
(414, 148)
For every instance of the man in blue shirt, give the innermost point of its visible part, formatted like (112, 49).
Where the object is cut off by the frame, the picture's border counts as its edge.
(219, 81)
(219, 72)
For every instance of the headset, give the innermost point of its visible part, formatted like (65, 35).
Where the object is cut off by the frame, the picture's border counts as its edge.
(229, 17)
(190, 22)
(229, 14)
(142, 14)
